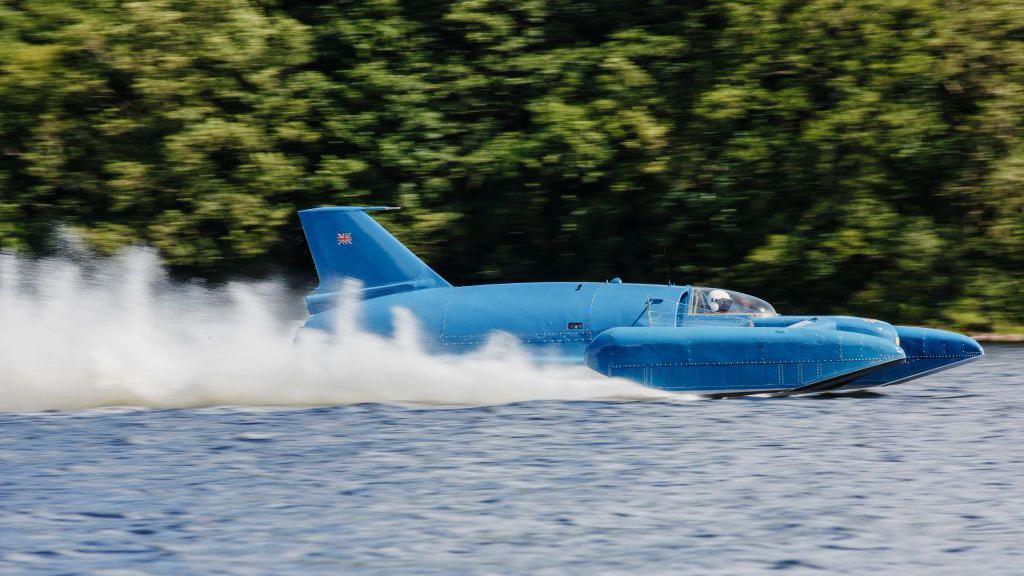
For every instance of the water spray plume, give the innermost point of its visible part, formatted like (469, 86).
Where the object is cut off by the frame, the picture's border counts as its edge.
(85, 332)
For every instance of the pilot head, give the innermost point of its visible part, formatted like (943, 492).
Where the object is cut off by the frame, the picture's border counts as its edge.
(719, 301)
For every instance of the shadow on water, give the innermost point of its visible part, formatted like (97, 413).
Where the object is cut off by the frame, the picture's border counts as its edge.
(851, 394)
(818, 396)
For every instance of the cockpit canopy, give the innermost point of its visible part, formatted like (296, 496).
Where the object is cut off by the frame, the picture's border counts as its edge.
(719, 301)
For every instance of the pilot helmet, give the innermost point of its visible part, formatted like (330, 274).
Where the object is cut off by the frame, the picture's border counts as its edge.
(719, 301)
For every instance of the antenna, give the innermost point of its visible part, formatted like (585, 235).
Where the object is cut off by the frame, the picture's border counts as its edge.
(668, 267)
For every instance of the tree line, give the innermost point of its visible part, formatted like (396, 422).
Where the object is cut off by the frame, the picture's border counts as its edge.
(847, 157)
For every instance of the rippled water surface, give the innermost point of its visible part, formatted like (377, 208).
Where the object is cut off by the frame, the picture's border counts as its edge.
(925, 478)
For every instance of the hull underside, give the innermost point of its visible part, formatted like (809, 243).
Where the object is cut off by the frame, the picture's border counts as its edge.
(834, 384)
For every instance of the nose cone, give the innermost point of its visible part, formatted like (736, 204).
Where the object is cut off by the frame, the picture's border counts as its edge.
(928, 343)
(928, 351)
(970, 347)
(973, 346)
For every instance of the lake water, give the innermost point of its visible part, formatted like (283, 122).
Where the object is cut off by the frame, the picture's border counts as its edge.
(925, 478)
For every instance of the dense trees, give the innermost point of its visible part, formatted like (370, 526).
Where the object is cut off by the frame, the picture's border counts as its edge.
(862, 157)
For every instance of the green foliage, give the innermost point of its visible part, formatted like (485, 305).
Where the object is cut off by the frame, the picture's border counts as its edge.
(862, 157)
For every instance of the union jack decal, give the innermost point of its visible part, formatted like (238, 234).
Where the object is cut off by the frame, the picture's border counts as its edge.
(344, 238)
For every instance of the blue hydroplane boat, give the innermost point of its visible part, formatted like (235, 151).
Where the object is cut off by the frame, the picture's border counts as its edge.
(679, 338)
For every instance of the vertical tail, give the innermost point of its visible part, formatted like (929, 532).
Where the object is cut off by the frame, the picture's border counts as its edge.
(346, 243)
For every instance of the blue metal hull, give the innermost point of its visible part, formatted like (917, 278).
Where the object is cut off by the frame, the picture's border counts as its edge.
(607, 327)
(675, 338)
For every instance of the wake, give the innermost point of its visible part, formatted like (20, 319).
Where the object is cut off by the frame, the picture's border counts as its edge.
(85, 332)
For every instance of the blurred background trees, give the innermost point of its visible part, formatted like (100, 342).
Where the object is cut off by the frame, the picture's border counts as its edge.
(854, 157)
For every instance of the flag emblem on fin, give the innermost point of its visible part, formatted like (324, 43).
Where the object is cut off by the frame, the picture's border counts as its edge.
(344, 238)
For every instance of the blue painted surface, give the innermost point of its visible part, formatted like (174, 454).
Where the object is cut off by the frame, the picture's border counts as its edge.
(734, 359)
(928, 351)
(346, 242)
(679, 338)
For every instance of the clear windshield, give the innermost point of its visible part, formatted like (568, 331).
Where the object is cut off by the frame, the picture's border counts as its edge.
(719, 301)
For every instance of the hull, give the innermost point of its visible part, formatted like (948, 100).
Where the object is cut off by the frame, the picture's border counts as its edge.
(675, 338)
(600, 326)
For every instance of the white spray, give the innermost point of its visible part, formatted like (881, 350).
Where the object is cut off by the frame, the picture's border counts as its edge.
(87, 332)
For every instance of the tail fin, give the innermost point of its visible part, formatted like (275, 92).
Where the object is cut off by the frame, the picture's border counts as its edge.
(346, 243)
